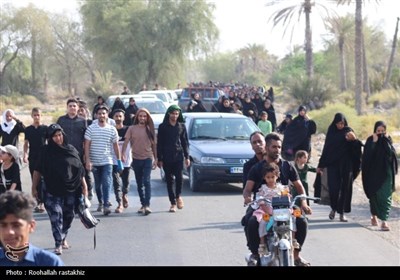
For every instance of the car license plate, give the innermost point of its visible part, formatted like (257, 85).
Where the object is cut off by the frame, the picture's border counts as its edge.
(236, 169)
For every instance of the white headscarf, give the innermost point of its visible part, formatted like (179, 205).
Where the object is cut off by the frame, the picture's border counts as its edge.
(6, 126)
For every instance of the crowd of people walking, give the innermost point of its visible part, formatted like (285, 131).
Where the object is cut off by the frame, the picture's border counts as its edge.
(91, 153)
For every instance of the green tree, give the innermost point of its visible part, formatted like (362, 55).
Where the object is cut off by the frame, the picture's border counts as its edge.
(286, 15)
(391, 59)
(13, 39)
(256, 59)
(342, 29)
(146, 42)
(358, 52)
(40, 45)
(70, 54)
(219, 67)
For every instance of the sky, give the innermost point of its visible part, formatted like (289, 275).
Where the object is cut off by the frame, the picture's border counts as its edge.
(246, 22)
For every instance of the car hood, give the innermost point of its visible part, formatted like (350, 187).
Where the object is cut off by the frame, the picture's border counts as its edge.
(227, 148)
(157, 119)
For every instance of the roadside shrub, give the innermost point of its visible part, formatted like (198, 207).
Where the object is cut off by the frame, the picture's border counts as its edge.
(324, 116)
(17, 101)
(362, 125)
(346, 97)
(54, 115)
(386, 98)
(313, 93)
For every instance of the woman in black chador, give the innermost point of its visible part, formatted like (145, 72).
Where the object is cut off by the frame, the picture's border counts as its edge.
(379, 167)
(64, 175)
(341, 157)
(297, 135)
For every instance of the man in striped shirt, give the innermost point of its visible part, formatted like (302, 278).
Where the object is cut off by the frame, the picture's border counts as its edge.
(100, 138)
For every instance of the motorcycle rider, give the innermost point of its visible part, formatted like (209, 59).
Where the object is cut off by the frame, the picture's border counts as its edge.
(255, 179)
(257, 141)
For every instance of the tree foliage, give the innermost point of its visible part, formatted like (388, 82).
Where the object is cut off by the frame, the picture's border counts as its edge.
(147, 41)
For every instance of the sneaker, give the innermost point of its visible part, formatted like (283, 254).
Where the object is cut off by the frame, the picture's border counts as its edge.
(119, 209)
(147, 210)
(125, 201)
(100, 208)
(106, 211)
(301, 262)
(141, 210)
(179, 202)
(172, 209)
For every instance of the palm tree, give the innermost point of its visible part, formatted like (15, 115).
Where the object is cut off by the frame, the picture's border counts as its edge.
(358, 57)
(391, 60)
(342, 29)
(358, 52)
(255, 58)
(285, 17)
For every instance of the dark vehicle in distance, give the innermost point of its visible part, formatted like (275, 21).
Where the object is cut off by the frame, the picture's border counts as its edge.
(208, 96)
(219, 145)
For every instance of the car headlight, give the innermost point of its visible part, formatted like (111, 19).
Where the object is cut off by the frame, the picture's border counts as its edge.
(212, 160)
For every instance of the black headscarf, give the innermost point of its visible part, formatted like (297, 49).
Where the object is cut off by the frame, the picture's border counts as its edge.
(336, 145)
(297, 135)
(61, 166)
(378, 157)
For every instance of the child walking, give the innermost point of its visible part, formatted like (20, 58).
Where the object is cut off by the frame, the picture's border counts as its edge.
(302, 167)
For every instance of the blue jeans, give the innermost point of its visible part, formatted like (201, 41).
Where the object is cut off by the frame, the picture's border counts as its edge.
(142, 169)
(117, 182)
(103, 182)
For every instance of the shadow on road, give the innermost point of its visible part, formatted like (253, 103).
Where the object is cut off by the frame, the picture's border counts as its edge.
(222, 226)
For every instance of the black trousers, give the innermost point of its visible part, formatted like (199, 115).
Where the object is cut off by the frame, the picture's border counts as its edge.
(173, 169)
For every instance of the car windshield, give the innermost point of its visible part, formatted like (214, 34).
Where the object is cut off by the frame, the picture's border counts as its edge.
(222, 128)
(154, 107)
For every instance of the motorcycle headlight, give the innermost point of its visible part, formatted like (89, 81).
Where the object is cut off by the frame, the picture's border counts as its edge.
(212, 160)
(281, 214)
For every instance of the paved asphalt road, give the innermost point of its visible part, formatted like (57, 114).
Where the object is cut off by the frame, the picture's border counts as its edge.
(207, 232)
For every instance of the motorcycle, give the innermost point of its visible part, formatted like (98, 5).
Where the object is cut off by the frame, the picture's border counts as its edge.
(276, 228)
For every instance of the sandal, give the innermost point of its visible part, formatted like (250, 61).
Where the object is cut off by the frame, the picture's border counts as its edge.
(301, 262)
(58, 250)
(343, 218)
(332, 215)
(125, 201)
(385, 227)
(374, 222)
(65, 245)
